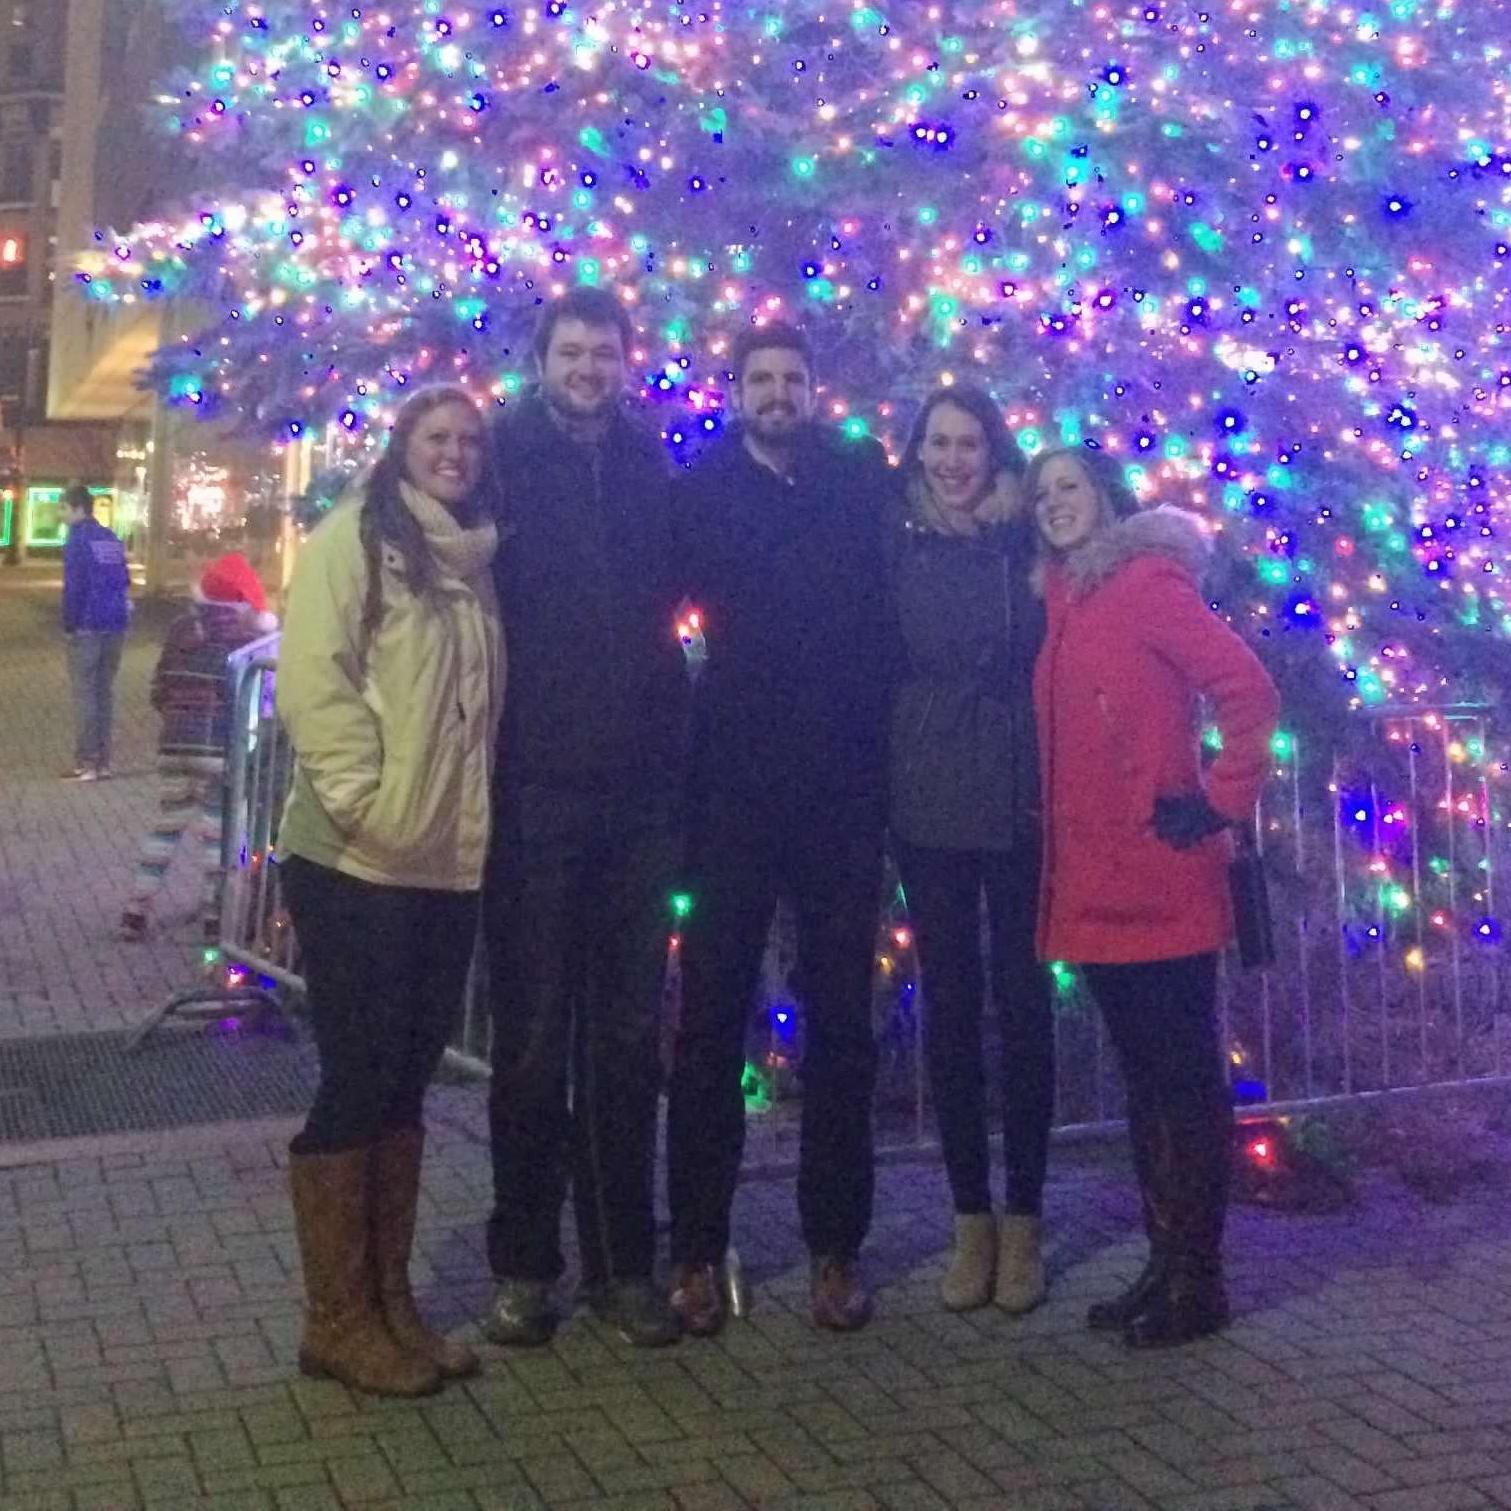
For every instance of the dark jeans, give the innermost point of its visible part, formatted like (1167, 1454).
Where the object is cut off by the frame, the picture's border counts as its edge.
(826, 859)
(1162, 1019)
(578, 919)
(387, 968)
(944, 890)
(93, 660)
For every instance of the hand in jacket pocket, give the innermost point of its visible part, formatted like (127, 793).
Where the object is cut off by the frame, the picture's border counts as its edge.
(1183, 822)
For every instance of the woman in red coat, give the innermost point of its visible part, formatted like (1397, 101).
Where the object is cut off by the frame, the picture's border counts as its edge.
(1136, 858)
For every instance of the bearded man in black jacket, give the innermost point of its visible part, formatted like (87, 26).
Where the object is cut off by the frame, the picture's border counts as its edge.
(783, 549)
(586, 839)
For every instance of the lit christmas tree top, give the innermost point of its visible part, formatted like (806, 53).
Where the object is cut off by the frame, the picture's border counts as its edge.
(1262, 251)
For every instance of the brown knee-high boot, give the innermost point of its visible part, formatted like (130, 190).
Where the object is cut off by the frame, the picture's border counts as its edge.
(395, 1195)
(345, 1337)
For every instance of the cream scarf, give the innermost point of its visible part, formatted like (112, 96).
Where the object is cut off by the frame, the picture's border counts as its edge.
(461, 551)
(1002, 502)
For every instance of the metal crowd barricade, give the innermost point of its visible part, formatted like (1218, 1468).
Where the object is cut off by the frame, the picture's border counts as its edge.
(255, 963)
(243, 970)
(1360, 1003)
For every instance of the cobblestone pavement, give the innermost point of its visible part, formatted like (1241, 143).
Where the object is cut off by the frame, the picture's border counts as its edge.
(148, 1322)
(67, 851)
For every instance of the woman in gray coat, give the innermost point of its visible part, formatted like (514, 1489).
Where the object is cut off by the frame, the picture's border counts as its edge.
(965, 824)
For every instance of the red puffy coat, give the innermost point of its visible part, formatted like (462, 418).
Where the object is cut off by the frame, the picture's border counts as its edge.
(1131, 647)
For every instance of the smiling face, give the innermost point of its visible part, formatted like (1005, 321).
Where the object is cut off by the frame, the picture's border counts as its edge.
(584, 370)
(444, 457)
(1067, 505)
(955, 459)
(774, 396)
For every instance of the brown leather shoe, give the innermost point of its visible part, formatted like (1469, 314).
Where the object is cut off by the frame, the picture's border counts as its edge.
(393, 1200)
(841, 1302)
(698, 1299)
(345, 1337)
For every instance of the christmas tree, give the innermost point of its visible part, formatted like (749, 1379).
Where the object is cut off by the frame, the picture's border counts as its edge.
(1263, 253)
(1260, 253)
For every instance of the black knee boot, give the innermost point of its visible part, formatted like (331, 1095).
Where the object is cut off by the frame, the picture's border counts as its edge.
(1118, 1311)
(1193, 1167)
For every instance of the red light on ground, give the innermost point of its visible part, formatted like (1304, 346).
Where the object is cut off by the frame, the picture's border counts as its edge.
(903, 938)
(1262, 1151)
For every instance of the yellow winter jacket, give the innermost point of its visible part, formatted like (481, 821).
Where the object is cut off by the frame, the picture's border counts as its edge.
(394, 736)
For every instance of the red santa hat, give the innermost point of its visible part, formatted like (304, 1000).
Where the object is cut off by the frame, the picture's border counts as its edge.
(230, 579)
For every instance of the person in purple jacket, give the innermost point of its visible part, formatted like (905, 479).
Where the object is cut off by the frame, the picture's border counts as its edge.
(96, 610)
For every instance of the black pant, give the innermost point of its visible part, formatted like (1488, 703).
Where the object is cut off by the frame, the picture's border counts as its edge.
(1162, 1018)
(386, 968)
(825, 858)
(944, 890)
(578, 917)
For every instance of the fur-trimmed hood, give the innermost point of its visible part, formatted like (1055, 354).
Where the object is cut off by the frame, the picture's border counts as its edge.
(1177, 534)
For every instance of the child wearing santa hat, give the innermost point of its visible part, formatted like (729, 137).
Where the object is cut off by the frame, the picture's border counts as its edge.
(191, 692)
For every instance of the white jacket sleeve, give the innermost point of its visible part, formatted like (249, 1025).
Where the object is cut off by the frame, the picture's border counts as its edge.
(332, 728)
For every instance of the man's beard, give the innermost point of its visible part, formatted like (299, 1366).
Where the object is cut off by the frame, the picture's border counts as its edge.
(777, 422)
(580, 407)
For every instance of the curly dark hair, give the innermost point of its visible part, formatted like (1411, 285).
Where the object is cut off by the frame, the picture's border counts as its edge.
(1002, 449)
(596, 308)
(385, 515)
(778, 335)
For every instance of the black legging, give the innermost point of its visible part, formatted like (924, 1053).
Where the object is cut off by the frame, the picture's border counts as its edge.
(386, 968)
(1161, 1016)
(944, 890)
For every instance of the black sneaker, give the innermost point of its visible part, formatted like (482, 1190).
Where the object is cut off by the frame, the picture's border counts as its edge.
(520, 1314)
(637, 1312)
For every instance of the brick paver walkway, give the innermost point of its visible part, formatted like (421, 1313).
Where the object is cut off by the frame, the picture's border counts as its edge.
(148, 1322)
(67, 851)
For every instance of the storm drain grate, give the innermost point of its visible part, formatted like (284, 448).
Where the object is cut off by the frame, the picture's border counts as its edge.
(77, 1085)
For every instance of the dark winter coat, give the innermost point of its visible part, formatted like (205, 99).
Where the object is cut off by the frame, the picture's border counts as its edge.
(964, 762)
(588, 591)
(96, 582)
(791, 581)
(1131, 646)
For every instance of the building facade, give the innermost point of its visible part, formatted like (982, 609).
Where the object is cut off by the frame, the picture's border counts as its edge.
(32, 75)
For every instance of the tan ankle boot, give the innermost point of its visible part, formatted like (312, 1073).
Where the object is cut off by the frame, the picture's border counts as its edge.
(345, 1337)
(967, 1284)
(1020, 1266)
(394, 1200)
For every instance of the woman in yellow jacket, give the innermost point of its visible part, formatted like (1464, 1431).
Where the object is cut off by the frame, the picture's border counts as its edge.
(390, 683)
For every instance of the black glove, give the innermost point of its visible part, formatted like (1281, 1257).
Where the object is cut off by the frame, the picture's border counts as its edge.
(1186, 821)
